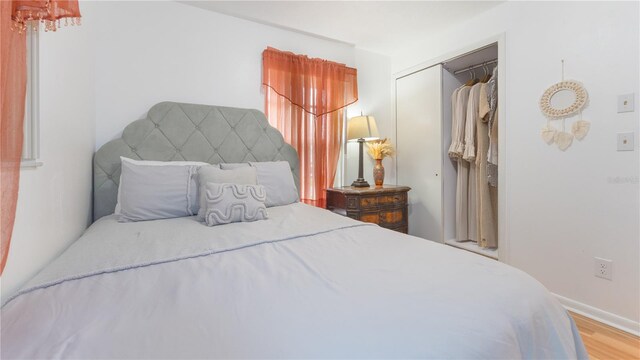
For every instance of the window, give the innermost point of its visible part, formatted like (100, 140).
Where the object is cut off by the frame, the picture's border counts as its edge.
(31, 144)
(306, 100)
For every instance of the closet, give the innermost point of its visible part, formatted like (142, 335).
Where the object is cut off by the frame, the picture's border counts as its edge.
(424, 121)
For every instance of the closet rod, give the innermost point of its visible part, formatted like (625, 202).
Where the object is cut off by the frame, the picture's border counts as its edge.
(494, 61)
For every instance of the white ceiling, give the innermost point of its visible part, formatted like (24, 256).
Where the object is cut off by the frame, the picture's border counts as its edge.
(379, 26)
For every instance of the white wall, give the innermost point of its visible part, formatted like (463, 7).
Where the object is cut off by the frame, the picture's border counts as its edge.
(149, 52)
(374, 90)
(54, 200)
(565, 208)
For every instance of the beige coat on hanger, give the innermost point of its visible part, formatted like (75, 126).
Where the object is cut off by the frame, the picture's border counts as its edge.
(487, 204)
(469, 155)
(456, 152)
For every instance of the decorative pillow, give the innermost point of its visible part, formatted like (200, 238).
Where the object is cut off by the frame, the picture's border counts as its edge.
(149, 192)
(194, 185)
(227, 203)
(278, 181)
(242, 175)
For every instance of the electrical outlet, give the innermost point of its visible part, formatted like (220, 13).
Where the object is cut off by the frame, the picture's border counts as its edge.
(603, 268)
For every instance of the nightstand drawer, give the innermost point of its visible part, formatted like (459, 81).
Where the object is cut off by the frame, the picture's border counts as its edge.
(369, 202)
(373, 202)
(393, 200)
(393, 218)
(385, 206)
(373, 217)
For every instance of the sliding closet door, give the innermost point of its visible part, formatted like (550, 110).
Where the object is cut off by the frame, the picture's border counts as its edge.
(419, 149)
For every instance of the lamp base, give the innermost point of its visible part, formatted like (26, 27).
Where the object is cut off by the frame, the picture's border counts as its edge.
(360, 183)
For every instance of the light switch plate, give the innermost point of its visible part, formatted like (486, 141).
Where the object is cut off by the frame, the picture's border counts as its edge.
(625, 141)
(625, 103)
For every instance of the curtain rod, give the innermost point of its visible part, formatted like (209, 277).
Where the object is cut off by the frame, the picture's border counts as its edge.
(494, 61)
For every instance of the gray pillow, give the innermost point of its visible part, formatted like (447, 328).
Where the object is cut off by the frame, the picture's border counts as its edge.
(231, 166)
(149, 192)
(278, 181)
(227, 203)
(243, 176)
(194, 194)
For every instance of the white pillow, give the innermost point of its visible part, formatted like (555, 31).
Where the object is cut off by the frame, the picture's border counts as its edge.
(227, 203)
(194, 185)
(278, 181)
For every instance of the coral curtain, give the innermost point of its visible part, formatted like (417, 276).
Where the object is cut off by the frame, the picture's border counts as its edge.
(15, 16)
(13, 87)
(305, 99)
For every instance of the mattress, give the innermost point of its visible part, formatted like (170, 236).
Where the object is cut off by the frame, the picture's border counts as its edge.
(304, 283)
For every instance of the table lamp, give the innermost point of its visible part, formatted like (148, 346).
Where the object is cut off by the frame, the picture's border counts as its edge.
(361, 128)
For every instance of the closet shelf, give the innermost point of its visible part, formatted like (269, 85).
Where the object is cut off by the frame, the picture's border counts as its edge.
(474, 248)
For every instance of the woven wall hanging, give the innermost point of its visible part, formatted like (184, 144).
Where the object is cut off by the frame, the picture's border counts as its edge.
(561, 112)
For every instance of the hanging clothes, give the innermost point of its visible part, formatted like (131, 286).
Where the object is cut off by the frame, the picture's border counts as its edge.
(456, 151)
(454, 123)
(492, 153)
(474, 148)
(469, 153)
(487, 204)
(459, 105)
(469, 156)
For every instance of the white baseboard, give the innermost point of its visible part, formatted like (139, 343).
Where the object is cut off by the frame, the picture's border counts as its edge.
(618, 322)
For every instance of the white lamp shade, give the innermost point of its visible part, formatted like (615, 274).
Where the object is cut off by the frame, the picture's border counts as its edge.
(362, 127)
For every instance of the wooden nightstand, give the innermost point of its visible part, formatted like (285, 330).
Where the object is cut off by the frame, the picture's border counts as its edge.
(385, 206)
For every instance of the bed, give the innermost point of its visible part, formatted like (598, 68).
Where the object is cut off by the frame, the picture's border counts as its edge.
(304, 283)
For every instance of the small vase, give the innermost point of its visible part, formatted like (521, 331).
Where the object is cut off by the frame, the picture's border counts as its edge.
(378, 173)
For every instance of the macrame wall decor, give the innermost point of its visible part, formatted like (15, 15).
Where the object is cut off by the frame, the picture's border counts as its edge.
(559, 102)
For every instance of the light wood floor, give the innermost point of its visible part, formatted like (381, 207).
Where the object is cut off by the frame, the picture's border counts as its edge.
(604, 342)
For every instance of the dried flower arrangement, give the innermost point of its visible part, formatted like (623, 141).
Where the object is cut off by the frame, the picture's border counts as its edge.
(379, 149)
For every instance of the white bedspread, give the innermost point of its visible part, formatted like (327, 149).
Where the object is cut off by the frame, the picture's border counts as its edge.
(305, 283)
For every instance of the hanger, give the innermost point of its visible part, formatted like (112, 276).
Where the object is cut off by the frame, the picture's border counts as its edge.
(487, 74)
(472, 81)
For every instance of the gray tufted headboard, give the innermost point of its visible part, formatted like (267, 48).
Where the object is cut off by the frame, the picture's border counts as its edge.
(177, 131)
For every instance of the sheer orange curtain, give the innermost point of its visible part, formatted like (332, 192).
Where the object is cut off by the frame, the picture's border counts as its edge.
(305, 99)
(13, 85)
(15, 16)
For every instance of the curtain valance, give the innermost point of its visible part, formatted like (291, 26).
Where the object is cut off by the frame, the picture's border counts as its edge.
(25, 13)
(317, 86)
